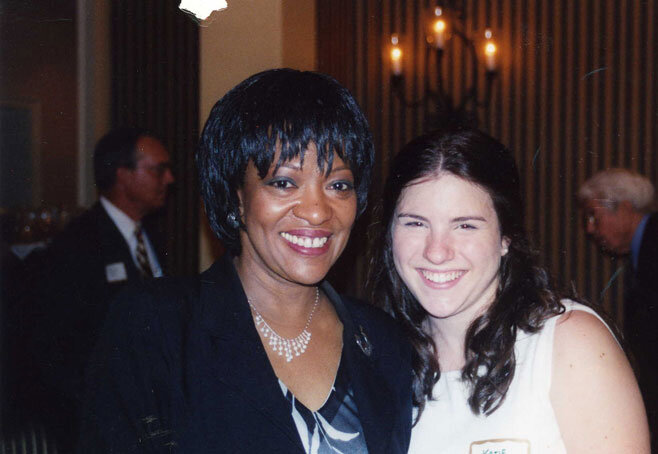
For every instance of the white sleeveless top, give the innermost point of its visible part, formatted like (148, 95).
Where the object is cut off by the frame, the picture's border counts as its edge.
(524, 423)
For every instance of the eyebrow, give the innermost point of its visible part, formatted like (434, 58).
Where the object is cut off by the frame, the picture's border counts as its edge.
(334, 169)
(469, 218)
(457, 219)
(412, 216)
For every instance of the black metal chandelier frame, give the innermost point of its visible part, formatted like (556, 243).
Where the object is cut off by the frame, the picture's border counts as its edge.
(446, 108)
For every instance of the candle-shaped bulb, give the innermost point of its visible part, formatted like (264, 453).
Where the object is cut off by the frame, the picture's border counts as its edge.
(490, 55)
(396, 61)
(439, 31)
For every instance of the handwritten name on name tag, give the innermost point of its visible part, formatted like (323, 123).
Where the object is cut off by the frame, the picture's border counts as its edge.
(116, 272)
(500, 446)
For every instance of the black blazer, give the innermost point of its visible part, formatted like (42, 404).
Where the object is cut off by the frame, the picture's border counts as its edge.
(68, 303)
(180, 368)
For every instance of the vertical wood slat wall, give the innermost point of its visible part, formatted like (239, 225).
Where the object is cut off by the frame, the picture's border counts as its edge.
(155, 61)
(576, 92)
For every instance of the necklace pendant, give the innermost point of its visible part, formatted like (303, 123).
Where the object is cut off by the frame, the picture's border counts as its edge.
(293, 347)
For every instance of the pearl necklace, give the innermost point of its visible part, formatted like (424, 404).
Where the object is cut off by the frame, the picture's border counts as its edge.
(281, 345)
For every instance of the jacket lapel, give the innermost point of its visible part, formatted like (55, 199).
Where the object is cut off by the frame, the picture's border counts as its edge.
(371, 392)
(114, 248)
(237, 359)
(236, 355)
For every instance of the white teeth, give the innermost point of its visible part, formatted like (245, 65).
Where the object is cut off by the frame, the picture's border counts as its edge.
(441, 278)
(305, 241)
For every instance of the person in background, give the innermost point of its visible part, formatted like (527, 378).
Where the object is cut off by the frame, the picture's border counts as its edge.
(259, 353)
(96, 255)
(501, 363)
(619, 215)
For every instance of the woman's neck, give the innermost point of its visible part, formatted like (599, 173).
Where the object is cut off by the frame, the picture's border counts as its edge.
(279, 301)
(449, 340)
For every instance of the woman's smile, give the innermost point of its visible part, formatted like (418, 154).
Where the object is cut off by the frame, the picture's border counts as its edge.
(298, 218)
(308, 242)
(441, 279)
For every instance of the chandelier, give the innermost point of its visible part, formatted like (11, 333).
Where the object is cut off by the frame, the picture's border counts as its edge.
(443, 25)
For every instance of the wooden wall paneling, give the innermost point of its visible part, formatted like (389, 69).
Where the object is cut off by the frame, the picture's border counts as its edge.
(607, 121)
(642, 57)
(516, 119)
(504, 28)
(635, 82)
(583, 132)
(623, 53)
(413, 29)
(554, 137)
(565, 223)
(155, 86)
(650, 94)
(576, 92)
(599, 102)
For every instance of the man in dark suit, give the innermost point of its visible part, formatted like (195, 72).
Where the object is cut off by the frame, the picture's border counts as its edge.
(618, 207)
(84, 267)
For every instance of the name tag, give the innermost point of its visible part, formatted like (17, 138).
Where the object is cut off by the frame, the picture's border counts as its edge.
(500, 446)
(116, 272)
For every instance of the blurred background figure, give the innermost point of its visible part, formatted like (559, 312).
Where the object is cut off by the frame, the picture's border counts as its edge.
(97, 254)
(620, 216)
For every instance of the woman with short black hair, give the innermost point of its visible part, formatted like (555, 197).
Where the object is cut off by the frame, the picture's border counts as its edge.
(259, 353)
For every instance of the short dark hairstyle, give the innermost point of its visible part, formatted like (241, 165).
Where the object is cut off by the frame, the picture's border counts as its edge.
(285, 106)
(115, 150)
(525, 297)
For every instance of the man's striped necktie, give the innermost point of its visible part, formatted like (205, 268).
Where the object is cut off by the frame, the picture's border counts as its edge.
(142, 255)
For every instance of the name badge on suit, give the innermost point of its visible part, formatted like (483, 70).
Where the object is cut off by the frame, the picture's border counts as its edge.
(116, 272)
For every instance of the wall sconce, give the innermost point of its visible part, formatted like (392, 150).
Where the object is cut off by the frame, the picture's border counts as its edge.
(443, 25)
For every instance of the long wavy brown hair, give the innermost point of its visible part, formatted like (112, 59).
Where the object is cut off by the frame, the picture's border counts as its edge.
(525, 297)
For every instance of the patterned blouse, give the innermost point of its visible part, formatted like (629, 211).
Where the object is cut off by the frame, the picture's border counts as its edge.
(334, 428)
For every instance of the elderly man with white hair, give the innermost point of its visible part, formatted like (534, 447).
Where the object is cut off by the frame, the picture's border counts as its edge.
(620, 215)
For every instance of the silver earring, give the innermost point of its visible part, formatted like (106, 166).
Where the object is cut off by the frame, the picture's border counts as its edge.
(233, 221)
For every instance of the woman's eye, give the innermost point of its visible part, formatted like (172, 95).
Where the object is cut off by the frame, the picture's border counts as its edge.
(281, 184)
(466, 226)
(342, 186)
(413, 224)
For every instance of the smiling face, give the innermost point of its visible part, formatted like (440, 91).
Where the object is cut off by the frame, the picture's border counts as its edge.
(447, 247)
(298, 219)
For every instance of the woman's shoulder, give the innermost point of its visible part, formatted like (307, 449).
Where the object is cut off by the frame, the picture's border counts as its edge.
(589, 363)
(577, 317)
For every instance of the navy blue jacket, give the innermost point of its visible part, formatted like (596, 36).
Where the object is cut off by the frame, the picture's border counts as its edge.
(180, 368)
(641, 321)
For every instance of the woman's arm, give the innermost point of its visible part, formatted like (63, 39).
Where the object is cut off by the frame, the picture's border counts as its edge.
(594, 392)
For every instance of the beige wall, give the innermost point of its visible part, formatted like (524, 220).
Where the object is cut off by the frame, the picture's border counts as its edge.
(247, 37)
(94, 89)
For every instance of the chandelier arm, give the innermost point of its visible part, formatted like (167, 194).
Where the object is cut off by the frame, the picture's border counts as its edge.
(398, 90)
